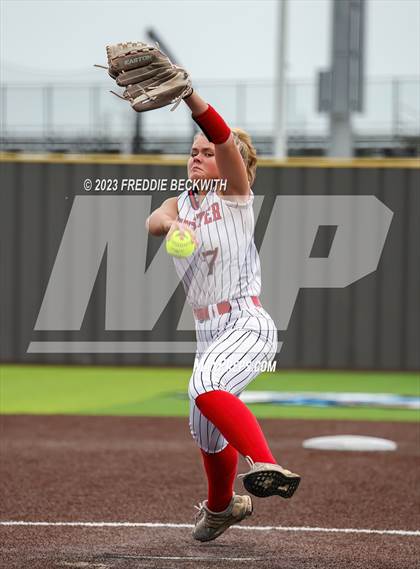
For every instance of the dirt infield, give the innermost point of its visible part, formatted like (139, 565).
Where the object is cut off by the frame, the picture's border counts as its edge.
(142, 470)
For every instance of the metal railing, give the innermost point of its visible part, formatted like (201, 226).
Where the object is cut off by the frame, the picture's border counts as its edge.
(41, 113)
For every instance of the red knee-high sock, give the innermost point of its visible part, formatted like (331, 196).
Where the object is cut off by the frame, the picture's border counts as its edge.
(221, 470)
(236, 423)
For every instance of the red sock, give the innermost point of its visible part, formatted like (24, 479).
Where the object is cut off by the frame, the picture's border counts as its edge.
(236, 423)
(221, 470)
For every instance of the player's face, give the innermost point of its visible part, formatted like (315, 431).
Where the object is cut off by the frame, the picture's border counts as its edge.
(202, 163)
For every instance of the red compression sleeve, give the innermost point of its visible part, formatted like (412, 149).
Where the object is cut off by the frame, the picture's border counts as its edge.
(221, 470)
(236, 423)
(213, 126)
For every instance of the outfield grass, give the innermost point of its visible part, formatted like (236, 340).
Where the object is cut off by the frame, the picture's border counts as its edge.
(159, 391)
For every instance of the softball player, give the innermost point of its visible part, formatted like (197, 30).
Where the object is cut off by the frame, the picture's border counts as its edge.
(235, 335)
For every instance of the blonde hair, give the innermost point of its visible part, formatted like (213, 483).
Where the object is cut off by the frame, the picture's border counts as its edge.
(247, 151)
(249, 154)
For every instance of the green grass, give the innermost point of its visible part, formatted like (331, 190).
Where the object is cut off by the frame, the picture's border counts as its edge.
(158, 391)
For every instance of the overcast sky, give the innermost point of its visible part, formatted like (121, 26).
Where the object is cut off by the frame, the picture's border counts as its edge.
(217, 39)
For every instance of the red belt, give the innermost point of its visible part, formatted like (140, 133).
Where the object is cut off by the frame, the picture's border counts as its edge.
(222, 308)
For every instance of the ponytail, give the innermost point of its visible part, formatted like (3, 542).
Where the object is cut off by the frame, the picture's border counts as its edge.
(249, 154)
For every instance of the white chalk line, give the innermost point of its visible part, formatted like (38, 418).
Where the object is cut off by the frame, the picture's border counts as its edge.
(185, 558)
(303, 529)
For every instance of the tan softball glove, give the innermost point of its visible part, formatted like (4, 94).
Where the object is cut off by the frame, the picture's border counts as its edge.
(150, 79)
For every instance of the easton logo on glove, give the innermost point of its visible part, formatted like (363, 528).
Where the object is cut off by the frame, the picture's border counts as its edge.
(150, 79)
(137, 59)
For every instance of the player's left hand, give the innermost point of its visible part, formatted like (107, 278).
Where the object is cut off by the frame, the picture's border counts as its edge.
(150, 79)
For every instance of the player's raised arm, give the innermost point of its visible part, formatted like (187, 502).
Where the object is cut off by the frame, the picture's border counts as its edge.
(229, 160)
(152, 81)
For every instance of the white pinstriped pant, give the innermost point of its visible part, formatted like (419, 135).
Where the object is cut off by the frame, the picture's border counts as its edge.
(230, 351)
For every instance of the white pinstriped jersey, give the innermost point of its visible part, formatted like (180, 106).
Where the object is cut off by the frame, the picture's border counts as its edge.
(226, 264)
(232, 346)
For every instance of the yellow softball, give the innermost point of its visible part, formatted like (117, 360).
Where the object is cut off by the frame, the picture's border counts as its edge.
(180, 245)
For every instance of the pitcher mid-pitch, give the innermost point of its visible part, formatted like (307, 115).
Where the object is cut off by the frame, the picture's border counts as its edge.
(222, 280)
(235, 335)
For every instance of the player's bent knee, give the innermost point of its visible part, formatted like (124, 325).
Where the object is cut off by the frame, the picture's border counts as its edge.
(200, 384)
(214, 449)
(210, 447)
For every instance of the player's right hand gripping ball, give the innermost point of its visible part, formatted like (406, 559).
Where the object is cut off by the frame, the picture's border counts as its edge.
(180, 245)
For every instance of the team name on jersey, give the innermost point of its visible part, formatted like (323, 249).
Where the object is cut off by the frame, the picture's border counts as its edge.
(209, 215)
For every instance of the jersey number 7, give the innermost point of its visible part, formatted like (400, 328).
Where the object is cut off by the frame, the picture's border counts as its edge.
(212, 253)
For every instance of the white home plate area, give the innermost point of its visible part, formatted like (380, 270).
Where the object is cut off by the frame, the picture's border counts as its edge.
(350, 442)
